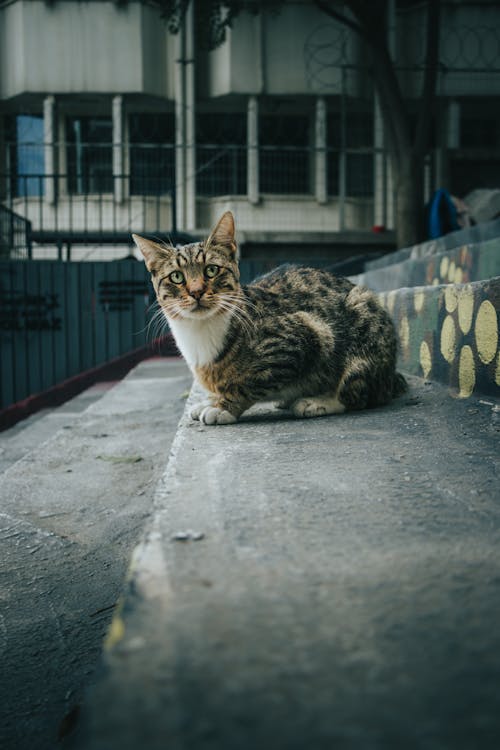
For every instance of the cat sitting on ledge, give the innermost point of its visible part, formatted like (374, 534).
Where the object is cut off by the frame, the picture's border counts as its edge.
(313, 341)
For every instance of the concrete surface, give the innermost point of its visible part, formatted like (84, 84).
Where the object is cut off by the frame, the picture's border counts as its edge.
(31, 432)
(325, 583)
(76, 489)
(460, 265)
(476, 234)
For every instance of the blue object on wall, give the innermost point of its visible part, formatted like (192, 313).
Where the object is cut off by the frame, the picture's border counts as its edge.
(442, 215)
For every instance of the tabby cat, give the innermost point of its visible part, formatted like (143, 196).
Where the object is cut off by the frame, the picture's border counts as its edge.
(315, 342)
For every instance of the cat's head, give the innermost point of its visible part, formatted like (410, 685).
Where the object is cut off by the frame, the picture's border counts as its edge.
(195, 281)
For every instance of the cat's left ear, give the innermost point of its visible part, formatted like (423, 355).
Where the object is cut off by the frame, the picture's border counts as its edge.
(223, 235)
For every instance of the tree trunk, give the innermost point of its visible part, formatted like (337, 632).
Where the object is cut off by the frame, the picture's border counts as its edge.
(409, 200)
(407, 152)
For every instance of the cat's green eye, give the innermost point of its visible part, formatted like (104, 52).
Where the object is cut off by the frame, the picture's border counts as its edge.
(211, 271)
(177, 277)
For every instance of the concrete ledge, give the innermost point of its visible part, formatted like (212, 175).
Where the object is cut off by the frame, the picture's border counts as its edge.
(460, 265)
(71, 511)
(450, 333)
(325, 583)
(114, 369)
(479, 233)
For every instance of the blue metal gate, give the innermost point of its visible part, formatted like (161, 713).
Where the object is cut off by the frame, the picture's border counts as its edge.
(59, 319)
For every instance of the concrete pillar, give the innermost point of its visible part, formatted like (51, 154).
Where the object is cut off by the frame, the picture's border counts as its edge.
(453, 124)
(118, 166)
(320, 175)
(389, 192)
(379, 167)
(190, 120)
(342, 192)
(3, 160)
(253, 150)
(180, 130)
(449, 138)
(50, 148)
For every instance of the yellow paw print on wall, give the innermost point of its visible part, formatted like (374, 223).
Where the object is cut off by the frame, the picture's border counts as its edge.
(459, 321)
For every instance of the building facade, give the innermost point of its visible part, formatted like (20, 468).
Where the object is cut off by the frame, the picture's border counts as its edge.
(110, 124)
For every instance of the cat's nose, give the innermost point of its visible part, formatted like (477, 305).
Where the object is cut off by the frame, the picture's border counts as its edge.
(196, 292)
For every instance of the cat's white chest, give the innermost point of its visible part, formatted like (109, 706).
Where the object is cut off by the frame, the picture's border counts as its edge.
(200, 341)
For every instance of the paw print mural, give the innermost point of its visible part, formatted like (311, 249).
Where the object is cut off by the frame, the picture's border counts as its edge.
(450, 333)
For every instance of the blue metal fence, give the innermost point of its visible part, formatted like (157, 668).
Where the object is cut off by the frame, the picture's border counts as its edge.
(60, 319)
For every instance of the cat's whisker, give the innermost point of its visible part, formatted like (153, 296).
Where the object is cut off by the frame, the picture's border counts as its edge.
(245, 322)
(149, 324)
(156, 319)
(241, 299)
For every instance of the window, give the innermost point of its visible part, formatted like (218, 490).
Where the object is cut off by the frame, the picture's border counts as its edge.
(152, 153)
(355, 145)
(479, 132)
(284, 154)
(221, 162)
(89, 154)
(25, 136)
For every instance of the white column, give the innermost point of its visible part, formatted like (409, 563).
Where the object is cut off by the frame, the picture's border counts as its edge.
(253, 150)
(3, 160)
(320, 180)
(118, 167)
(190, 120)
(50, 154)
(180, 129)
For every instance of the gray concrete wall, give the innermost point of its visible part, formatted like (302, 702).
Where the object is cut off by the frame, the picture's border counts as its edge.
(280, 53)
(81, 47)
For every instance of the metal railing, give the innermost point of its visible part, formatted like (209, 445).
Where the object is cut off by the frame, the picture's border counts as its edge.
(107, 214)
(97, 205)
(15, 234)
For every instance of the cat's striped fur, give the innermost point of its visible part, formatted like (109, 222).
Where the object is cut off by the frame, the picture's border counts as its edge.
(313, 341)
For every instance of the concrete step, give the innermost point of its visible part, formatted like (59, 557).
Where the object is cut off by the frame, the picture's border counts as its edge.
(472, 262)
(470, 236)
(450, 333)
(71, 510)
(30, 433)
(323, 583)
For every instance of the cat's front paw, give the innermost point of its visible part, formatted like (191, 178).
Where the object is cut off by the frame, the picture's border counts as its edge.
(215, 415)
(197, 409)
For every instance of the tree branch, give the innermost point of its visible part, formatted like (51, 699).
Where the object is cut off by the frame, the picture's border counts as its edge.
(327, 8)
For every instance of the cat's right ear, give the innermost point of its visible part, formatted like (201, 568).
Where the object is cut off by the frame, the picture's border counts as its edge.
(151, 251)
(223, 235)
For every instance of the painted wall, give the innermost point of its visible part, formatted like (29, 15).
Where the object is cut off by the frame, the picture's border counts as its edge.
(81, 47)
(287, 213)
(294, 52)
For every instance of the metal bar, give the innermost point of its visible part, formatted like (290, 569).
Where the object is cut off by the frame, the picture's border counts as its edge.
(173, 208)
